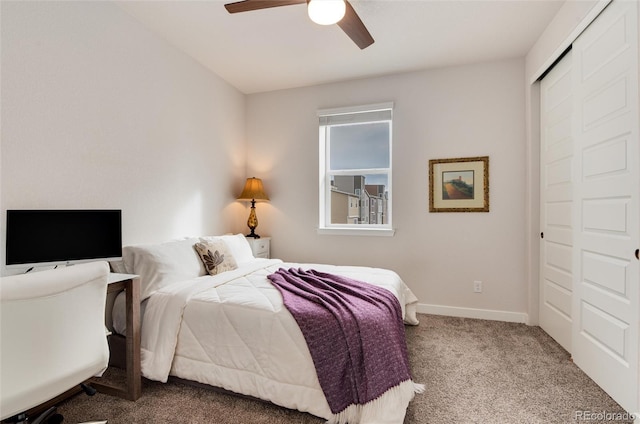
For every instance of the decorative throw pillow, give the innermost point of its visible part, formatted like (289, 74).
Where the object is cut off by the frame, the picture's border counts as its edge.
(216, 257)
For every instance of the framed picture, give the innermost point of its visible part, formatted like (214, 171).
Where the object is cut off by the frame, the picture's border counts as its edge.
(459, 185)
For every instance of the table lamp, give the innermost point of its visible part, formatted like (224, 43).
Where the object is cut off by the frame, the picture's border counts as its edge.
(253, 190)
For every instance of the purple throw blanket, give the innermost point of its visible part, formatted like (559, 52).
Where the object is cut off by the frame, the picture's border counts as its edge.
(354, 331)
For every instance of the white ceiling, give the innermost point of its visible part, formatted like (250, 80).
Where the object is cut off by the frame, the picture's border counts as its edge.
(281, 48)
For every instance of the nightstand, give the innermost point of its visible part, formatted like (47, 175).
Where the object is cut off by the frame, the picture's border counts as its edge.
(261, 247)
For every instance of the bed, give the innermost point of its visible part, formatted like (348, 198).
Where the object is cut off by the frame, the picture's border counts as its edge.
(231, 330)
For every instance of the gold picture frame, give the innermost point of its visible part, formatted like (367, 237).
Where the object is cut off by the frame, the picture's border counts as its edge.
(459, 185)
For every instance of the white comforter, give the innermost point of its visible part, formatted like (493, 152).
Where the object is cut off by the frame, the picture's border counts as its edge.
(233, 331)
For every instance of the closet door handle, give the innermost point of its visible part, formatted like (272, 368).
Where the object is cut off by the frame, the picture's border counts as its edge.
(637, 253)
(541, 235)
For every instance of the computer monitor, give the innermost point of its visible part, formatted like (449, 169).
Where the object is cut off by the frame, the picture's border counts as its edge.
(42, 237)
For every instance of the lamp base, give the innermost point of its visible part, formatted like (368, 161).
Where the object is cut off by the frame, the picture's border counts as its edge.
(252, 222)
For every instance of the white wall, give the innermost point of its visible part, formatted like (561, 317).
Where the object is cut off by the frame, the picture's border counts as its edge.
(464, 111)
(97, 112)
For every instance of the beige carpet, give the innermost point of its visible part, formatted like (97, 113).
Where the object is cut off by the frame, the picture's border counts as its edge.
(475, 372)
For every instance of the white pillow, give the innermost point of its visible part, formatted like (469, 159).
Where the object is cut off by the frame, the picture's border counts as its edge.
(238, 246)
(159, 265)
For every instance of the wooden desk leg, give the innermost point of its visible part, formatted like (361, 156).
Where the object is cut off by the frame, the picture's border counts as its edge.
(133, 386)
(134, 378)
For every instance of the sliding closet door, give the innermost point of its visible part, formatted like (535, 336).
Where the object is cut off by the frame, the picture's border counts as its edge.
(607, 218)
(556, 194)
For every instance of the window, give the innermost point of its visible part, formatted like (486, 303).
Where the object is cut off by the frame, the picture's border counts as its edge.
(355, 170)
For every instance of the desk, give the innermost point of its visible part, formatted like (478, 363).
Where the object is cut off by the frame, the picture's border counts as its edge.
(133, 387)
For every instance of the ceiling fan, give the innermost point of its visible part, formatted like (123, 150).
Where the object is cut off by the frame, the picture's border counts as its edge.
(324, 12)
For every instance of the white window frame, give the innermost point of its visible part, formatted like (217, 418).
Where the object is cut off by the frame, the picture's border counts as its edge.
(325, 174)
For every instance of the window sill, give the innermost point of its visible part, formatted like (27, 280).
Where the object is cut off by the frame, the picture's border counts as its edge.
(379, 232)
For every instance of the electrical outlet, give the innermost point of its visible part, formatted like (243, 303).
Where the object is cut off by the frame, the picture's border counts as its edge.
(477, 286)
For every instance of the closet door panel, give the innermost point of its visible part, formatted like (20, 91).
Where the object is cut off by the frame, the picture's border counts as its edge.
(556, 154)
(606, 296)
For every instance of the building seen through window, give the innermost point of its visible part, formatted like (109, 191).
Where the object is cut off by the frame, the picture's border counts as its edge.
(353, 201)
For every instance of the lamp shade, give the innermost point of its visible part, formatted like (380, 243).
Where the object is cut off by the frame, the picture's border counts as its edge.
(326, 12)
(253, 190)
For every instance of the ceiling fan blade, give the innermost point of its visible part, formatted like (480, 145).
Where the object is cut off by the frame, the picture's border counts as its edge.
(352, 25)
(249, 5)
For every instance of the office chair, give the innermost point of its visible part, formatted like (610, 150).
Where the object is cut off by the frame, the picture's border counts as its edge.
(52, 336)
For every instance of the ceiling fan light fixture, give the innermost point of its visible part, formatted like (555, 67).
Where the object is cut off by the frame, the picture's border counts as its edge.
(326, 12)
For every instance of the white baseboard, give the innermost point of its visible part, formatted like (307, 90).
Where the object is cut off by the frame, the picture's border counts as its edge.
(455, 311)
